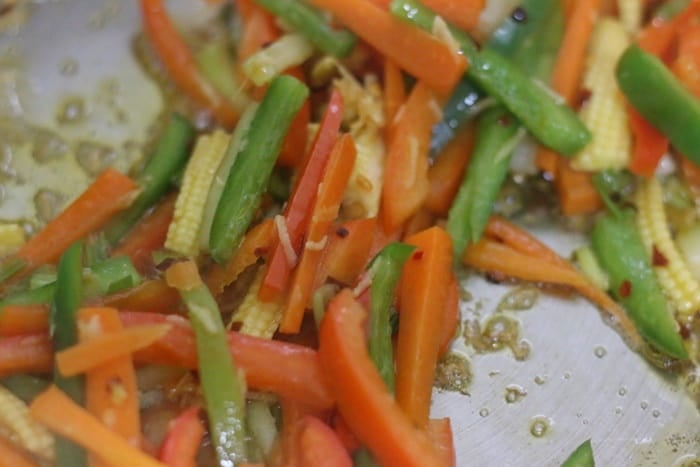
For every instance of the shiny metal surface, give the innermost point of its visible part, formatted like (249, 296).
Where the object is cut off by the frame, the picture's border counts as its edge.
(579, 377)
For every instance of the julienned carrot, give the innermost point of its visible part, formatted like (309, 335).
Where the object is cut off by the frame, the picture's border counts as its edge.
(152, 295)
(255, 244)
(419, 53)
(323, 212)
(421, 220)
(31, 353)
(522, 241)
(423, 290)
(489, 255)
(16, 320)
(394, 94)
(111, 392)
(181, 444)
(297, 214)
(108, 194)
(100, 349)
(258, 28)
(347, 251)
(294, 145)
(362, 397)
(148, 235)
(440, 432)
(287, 449)
(289, 370)
(450, 317)
(462, 13)
(447, 172)
(577, 194)
(344, 434)
(63, 416)
(568, 67)
(12, 456)
(177, 59)
(319, 445)
(406, 173)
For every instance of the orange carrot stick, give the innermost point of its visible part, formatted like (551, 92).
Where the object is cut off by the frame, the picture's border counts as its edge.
(440, 432)
(16, 320)
(421, 220)
(111, 393)
(294, 144)
(12, 456)
(450, 318)
(148, 235)
(255, 244)
(32, 353)
(347, 251)
(577, 194)
(63, 416)
(488, 255)
(568, 66)
(152, 295)
(522, 241)
(108, 194)
(413, 50)
(424, 289)
(102, 348)
(180, 64)
(323, 213)
(320, 446)
(447, 172)
(394, 94)
(184, 438)
(406, 183)
(462, 13)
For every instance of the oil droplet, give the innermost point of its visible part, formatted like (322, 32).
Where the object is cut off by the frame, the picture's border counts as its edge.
(483, 413)
(521, 350)
(539, 426)
(47, 203)
(71, 110)
(540, 380)
(567, 375)
(521, 298)
(69, 67)
(656, 413)
(453, 373)
(622, 392)
(618, 410)
(600, 351)
(644, 405)
(47, 146)
(94, 157)
(515, 393)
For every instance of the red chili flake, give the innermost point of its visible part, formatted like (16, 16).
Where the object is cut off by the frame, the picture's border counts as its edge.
(342, 232)
(625, 289)
(260, 251)
(684, 332)
(583, 96)
(418, 254)
(657, 258)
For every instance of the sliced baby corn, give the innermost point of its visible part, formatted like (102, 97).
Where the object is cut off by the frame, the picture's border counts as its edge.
(676, 279)
(630, 12)
(11, 238)
(189, 206)
(257, 318)
(28, 433)
(287, 51)
(604, 112)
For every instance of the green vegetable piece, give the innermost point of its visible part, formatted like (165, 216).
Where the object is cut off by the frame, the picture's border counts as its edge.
(621, 253)
(224, 392)
(310, 22)
(581, 457)
(553, 123)
(215, 63)
(512, 35)
(465, 103)
(250, 173)
(386, 270)
(497, 135)
(659, 97)
(26, 387)
(168, 159)
(64, 332)
(670, 8)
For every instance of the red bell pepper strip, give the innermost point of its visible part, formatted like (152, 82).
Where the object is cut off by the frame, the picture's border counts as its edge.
(362, 397)
(297, 214)
(320, 447)
(185, 433)
(650, 145)
(177, 59)
(440, 431)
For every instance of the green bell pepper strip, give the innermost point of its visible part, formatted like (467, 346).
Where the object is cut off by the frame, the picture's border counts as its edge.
(169, 157)
(386, 270)
(250, 173)
(223, 390)
(26, 387)
(310, 22)
(497, 135)
(553, 123)
(110, 276)
(661, 99)
(581, 457)
(621, 253)
(64, 332)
